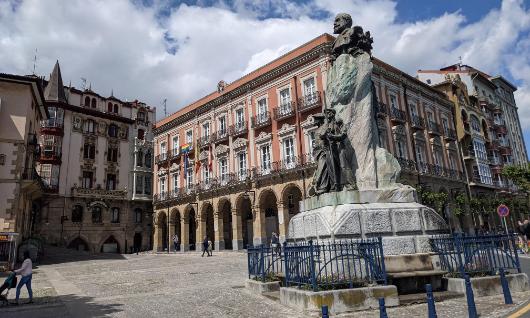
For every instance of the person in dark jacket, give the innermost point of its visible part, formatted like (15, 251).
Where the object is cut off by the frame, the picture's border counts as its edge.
(205, 247)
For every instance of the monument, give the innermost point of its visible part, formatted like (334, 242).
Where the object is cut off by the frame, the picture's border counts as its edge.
(354, 192)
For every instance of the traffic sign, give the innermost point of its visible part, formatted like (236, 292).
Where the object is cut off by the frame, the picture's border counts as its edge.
(503, 210)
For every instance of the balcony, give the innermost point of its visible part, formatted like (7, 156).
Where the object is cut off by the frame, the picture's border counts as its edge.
(406, 164)
(284, 111)
(162, 158)
(417, 122)
(51, 126)
(204, 141)
(469, 152)
(449, 134)
(494, 161)
(141, 121)
(434, 128)
(309, 102)
(51, 157)
(397, 115)
(476, 179)
(142, 143)
(238, 129)
(381, 109)
(174, 154)
(220, 136)
(99, 193)
(261, 120)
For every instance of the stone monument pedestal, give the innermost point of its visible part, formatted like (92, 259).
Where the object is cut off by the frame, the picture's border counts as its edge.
(394, 214)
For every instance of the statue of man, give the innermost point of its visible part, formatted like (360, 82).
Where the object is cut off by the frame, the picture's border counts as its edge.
(349, 40)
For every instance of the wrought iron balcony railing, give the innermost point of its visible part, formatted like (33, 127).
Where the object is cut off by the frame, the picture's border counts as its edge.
(219, 136)
(417, 121)
(238, 129)
(309, 101)
(434, 128)
(397, 115)
(205, 141)
(51, 123)
(285, 110)
(261, 120)
(449, 134)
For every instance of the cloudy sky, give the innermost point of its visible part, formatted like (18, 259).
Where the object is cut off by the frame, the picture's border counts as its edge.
(179, 50)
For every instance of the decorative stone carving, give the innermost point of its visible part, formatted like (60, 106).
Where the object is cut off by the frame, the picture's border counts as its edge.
(263, 137)
(286, 130)
(221, 150)
(101, 128)
(239, 144)
(204, 155)
(77, 123)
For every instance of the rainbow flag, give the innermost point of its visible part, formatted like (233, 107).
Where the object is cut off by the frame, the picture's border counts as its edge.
(186, 148)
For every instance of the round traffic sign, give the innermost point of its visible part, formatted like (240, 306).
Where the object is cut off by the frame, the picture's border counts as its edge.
(503, 210)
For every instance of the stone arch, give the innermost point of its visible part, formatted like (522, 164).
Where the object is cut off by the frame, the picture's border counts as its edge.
(190, 216)
(162, 228)
(225, 213)
(291, 197)
(207, 221)
(176, 219)
(268, 209)
(110, 245)
(246, 218)
(80, 243)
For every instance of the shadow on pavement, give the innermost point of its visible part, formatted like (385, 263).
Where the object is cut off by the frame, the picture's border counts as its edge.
(60, 306)
(58, 255)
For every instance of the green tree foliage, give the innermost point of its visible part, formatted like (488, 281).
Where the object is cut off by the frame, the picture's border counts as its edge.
(519, 175)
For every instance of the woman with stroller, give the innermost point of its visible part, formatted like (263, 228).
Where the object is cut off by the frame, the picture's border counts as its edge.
(26, 271)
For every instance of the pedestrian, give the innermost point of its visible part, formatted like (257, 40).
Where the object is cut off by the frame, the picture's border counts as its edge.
(175, 242)
(275, 242)
(26, 271)
(210, 248)
(205, 246)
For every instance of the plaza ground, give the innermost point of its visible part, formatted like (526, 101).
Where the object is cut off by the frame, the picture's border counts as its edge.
(72, 284)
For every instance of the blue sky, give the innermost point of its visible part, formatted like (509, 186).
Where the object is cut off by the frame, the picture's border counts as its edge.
(179, 50)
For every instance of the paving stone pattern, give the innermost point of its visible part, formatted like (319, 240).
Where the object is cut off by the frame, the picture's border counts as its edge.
(177, 285)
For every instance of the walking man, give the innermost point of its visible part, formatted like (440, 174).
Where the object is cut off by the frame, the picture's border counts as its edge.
(26, 271)
(175, 242)
(205, 247)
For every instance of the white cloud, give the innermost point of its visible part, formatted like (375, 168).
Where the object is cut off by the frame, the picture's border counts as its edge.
(120, 45)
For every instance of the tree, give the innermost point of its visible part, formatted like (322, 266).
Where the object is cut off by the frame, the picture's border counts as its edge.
(520, 175)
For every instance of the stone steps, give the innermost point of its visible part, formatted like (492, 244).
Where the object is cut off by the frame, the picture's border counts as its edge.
(421, 298)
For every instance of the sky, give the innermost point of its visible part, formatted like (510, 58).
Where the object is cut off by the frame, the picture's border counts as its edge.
(153, 50)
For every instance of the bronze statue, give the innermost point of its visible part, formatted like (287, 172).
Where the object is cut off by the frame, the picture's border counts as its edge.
(349, 40)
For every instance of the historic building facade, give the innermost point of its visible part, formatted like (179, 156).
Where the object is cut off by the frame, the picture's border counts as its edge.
(96, 163)
(22, 107)
(235, 164)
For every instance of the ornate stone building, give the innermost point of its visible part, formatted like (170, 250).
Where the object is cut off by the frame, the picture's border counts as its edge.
(22, 107)
(235, 164)
(96, 163)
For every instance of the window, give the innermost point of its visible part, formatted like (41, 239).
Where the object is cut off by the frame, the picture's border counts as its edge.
(112, 154)
(310, 89)
(87, 101)
(87, 179)
(438, 158)
(77, 214)
(162, 183)
(93, 103)
(413, 111)
(285, 97)
(116, 109)
(401, 148)
(45, 173)
(163, 150)
(206, 174)
(312, 140)
(148, 159)
(445, 124)
(240, 118)
(56, 117)
(139, 184)
(222, 125)
(141, 134)
(206, 130)
(393, 101)
(480, 149)
(51, 145)
(175, 141)
(242, 164)
(89, 126)
(109, 107)
(114, 215)
(96, 214)
(139, 158)
(420, 154)
(288, 153)
(141, 116)
(475, 124)
(266, 159)
(147, 188)
(485, 173)
(111, 182)
(452, 162)
(113, 131)
(89, 151)
(189, 178)
(175, 178)
(223, 170)
(137, 215)
(262, 107)
(189, 136)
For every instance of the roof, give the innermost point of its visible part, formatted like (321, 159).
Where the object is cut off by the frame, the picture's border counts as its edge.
(54, 91)
(36, 86)
(502, 79)
(304, 48)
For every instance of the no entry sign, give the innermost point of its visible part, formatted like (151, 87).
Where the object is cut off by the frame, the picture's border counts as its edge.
(503, 210)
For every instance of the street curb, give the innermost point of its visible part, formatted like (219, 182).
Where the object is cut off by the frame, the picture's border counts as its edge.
(516, 309)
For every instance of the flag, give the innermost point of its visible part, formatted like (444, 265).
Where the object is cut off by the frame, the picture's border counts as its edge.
(186, 165)
(197, 161)
(186, 148)
(210, 158)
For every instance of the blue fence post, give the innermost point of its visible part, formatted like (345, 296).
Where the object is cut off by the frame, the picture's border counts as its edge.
(514, 244)
(325, 313)
(286, 267)
(248, 261)
(382, 308)
(459, 253)
(505, 288)
(312, 266)
(383, 268)
(262, 264)
(430, 301)
(471, 307)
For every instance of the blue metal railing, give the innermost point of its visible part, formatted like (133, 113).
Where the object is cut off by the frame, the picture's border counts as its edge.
(320, 265)
(464, 254)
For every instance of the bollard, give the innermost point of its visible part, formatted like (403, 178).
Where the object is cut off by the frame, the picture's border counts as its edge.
(382, 308)
(430, 302)
(505, 288)
(325, 313)
(471, 307)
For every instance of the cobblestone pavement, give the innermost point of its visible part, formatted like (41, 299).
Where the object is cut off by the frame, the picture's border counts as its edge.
(178, 285)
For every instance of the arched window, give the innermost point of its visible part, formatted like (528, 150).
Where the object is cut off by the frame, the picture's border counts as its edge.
(141, 134)
(139, 158)
(89, 126)
(93, 104)
(113, 131)
(148, 159)
(116, 108)
(137, 215)
(87, 101)
(77, 214)
(475, 124)
(115, 215)
(109, 107)
(96, 214)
